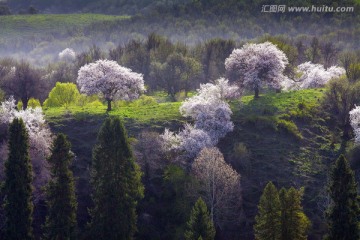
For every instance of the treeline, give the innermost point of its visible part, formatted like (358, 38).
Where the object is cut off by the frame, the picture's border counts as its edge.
(175, 68)
(190, 22)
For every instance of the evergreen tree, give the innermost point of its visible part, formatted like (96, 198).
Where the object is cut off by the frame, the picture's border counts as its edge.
(294, 222)
(17, 189)
(268, 219)
(61, 199)
(200, 225)
(344, 210)
(116, 181)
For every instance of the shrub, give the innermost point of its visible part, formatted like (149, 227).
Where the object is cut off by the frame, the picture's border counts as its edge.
(94, 104)
(62, 95)
(33, 103)
(144, 101)
(84, 100)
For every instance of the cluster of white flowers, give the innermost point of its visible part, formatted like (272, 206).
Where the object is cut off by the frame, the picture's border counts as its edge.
(312, 76)
(111, 80)
(355, 122)
(68, 55)
(256, 65)
(212, 116)
(39, 137)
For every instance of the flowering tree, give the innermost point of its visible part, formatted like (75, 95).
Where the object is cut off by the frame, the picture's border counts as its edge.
(312, 76)
(212, 116)
(67, 55)
(110, 80)
(39, 136)
(257, 65)
(355, 122)
(219, 186)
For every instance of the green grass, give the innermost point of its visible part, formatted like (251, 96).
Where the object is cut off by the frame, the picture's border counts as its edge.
(272, 104)
(142, 114)
(32, 25)
(279, 103)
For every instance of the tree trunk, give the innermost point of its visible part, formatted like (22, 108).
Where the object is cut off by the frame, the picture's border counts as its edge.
(108, 105)
(256, 92)
(25, 103)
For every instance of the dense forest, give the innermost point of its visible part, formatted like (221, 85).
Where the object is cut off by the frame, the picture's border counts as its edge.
(178, 120)
(40, 37)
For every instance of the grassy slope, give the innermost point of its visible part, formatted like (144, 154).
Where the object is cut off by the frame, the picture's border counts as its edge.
(289, 144)
(30, 25)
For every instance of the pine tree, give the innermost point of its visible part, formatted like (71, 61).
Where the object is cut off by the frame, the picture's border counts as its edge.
(294, 222)
(268, 219)
(344, 210)
(61, 200)
(17, 189)
(116, 182)
(200, 225)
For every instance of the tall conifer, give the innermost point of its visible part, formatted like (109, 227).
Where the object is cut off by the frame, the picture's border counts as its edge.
(61, 220)
(294, 222)
(344, 212)
(268, 219)
(17, 189)
(116, 182)
(200, 225)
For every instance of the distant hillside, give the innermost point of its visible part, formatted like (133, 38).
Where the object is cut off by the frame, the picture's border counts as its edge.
(142, 6)
(14, 26)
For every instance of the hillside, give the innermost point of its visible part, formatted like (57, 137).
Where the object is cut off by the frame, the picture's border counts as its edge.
(14, 26)
(283, 137)
(41, 37)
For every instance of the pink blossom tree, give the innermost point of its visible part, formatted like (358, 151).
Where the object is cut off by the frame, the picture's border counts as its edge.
(67, 55)
(310, 75)
(257, 65)
(212, 118)
(111, 81)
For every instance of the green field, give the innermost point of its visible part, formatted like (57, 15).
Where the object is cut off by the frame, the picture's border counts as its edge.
(142, 114)
(269, 104)
(33, 25)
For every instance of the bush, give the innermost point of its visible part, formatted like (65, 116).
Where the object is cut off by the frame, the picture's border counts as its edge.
(84, 100)
(62, 95)
(33, 103)
(94, 104)
(144, 101)
(240, 158)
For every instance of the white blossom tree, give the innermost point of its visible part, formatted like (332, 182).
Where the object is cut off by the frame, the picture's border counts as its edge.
(211, 115)
(67, 55)
(219, 186)
(257, 65)
(355, 122)
(39, 136)
(110, 80)
(312, 75)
